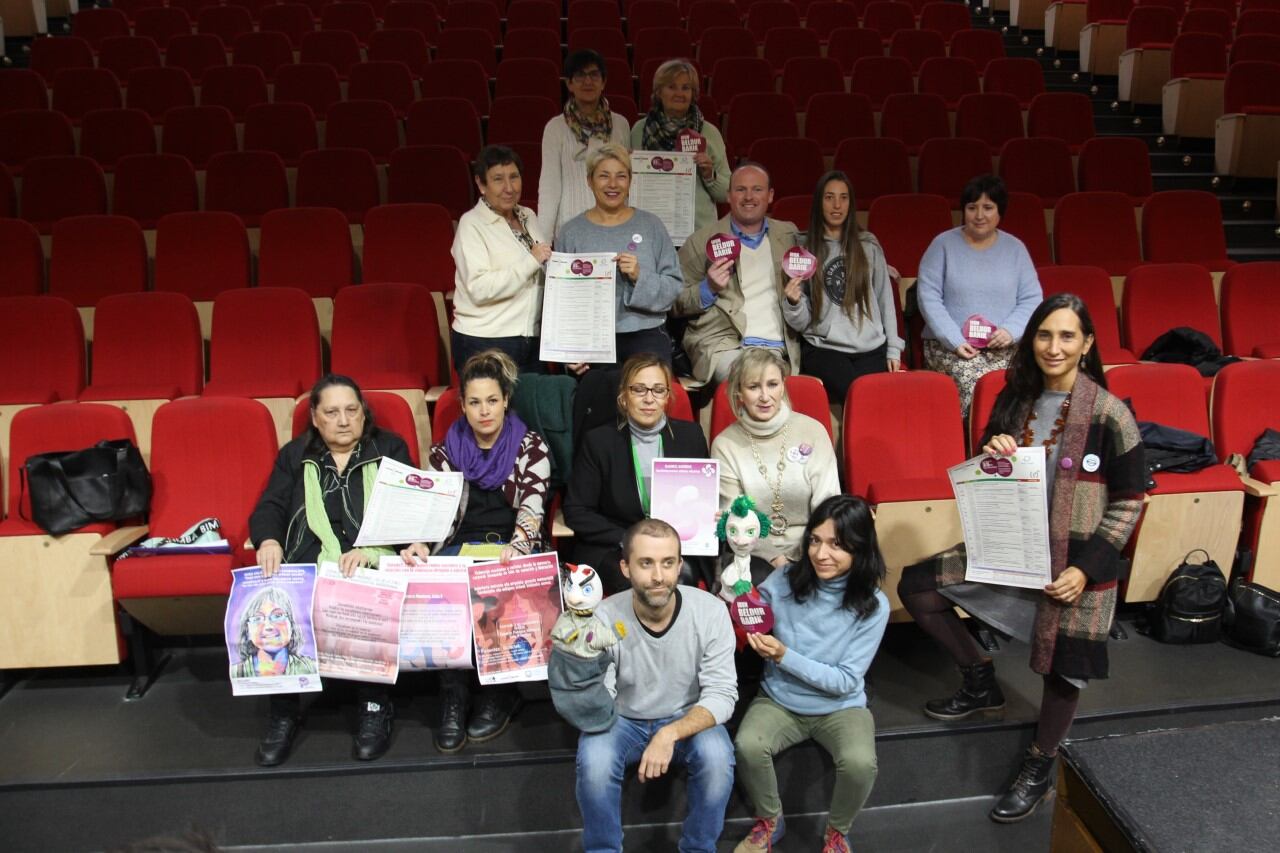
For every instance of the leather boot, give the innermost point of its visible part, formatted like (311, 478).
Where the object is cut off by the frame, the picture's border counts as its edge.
(497, 706)
(373, 735)
(277, 741)
(1033, 785)
(451, 734)
(979, 693)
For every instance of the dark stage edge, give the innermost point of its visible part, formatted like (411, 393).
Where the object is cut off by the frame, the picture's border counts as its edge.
(84, 769)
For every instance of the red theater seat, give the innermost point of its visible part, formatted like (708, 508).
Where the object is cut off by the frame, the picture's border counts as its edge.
(146, 346)
(409, 243)
(950, 77)
(201, 254)
(520, 118)
(413, 15)
(33, 133)
(391, 82)
(914, 119)
(57, 187)
(1062, 115)
(96, 256)
(471, 14)
(246, 183)
(1021, 77)
(806, 393)
(978, 46)
(51, 55)
(403, 45)
(76, 91)
(287, 129)
(341, 178)
(403, 317)
(357, 18)
(469, 45)
(42, 347)
(917, 46)
(1097, 229)
(946, 165)
(445, 121)
(708, 14)
(994, 117)
(1184, 225)
(905, 225)
(1116, 164)
(94, 25)
(315, 84)
(832, 117)
(225, 22)
(370, 126)
(108, 135)
(766, 15)
(887, 17)
(267, 51)
(736, 75)
(806, 76)
(1093, 286)
(338, 49)
(534, 43)
(1160, 297)
(198, 133)
(305, 247)
(158, 90)
(878, 167)
(22, 89)
(1038, 165)
(122, 54)
(945, 18)
(265, 343)
(457, 78)
(1024, 219)
(878, 77)
(1250, 306)
(293, 20)
(665, 42)
(148, 186)
(23, 259)
(758, 115)
(435, 174)
(195, 54)
(794, 163)
(826, 16)
(236, 87)
(786, 43)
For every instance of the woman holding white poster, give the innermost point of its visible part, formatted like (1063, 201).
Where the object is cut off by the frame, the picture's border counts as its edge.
(1055, 397)
(844, 313)
(507, 467)
(310, 512)
(674, 118)
(648, 274)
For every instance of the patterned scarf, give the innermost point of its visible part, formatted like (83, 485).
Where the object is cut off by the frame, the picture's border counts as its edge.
(660, 129)
(521, 229)
(584, 128)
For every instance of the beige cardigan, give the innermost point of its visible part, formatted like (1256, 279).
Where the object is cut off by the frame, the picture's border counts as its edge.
(498, 283)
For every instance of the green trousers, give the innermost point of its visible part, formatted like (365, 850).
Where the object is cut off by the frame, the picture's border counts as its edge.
(849, 736)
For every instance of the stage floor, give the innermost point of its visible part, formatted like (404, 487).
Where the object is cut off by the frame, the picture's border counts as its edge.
(68, 731)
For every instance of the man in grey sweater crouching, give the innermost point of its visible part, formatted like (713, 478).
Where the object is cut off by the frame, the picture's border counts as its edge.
(673, 680)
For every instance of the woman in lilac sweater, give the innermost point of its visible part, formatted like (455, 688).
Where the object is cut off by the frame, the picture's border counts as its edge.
(978, 272)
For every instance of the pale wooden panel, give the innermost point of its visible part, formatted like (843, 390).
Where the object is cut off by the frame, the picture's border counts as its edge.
(1191, 107)
(1100, 48)
(324, 316)
(1062, 25)
(908, 532)
(1266, 565)
(281, 409)
(1143, 73)
(1246, 146)
(23, 18)
(6, 420)
(141, 413)
(1171, 526)
(57, 608)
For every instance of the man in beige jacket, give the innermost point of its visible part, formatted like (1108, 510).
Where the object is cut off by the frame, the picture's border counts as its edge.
(736, 303)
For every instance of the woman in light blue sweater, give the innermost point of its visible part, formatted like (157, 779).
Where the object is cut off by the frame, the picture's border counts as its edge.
(975, 271)
(829, 617)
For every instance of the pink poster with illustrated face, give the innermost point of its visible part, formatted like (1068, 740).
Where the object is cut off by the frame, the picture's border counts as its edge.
(435, 625)
(513, 609)
(686, 495)
(357, 623)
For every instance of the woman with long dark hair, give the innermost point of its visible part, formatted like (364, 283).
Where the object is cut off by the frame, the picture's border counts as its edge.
(844, 314)
(829, 617)
(1055, 397)
(310, 512)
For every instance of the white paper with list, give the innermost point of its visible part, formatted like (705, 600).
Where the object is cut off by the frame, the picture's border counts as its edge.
(410, 505)
(664, 183)
(578, 309)
(1004, 511)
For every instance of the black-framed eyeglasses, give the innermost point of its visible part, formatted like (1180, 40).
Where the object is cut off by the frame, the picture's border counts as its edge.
(658, 391)
(590, 74)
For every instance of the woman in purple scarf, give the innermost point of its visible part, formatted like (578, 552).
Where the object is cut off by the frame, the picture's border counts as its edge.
(507, 467)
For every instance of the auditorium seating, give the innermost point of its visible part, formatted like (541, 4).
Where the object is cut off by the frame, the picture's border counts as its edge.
(878, 167)
(94, 25)
(978, 46)
(390, 412)
(201, 254)
(42, 344)
(1245, 137)
(985, 391)
(1250, 304)
(33, 133)
(1116, 164)
(23, 259)
(832, 117)
(267, 51)
(22, 89)
(96, 256)
(994, 117)
(293, 20)
(1143, 65)
(345, 179)
(950, 77)
(78, 90)
(1102, 38)
(338, 49)
(1192, 98)
(1184, 226)
(305, 247)
(806, 76)
(901, 432)
(1039, 165)
(1093, 286)
(1097, 229)
(435, 174)
(878, 77)
(793, 163)
(1061, 115)
(194, 54)
(847, 45)
(315, 84)
(806, 393)
(736, 75)
(123, 54)
(236, 87)
(366, 125)
(1024, 218)
(211, 457)
(148, 186)
(51, 55)
(199, 133)
(1243, 408)
(756, 115)
(457, 78)
(356, 18)
(401, 317)
(445, 121)
(914, 119)
(286, 129)
(59, 186)
(158, 90)
(946, 165)
(917, 46)
(782, 44)
(888, 17)
(147, 350)
(1021, 77)
(58, 609)
(470, 45)
(407, 46)
(521, 118)
(1183, 511)
(265, 345)
(905, 225)
(1160, 297)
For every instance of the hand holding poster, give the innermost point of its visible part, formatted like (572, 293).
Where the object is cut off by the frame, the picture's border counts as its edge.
(1004, 510)
(357, 623)
(435, 624)
(514, 607)
(578, 309)
(409, 505)
(270, 644)
(686, 495)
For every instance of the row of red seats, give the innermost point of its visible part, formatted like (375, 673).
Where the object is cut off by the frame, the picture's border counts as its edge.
(202, 254)
(265, 343)
(1039, 166)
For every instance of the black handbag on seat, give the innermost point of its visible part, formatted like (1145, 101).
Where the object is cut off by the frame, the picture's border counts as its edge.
(69, 489)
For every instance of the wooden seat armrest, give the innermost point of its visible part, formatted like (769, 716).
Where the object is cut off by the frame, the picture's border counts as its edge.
(435, 392)
(248, 544)
(117, 540)
(1259, 489)
(559, 529)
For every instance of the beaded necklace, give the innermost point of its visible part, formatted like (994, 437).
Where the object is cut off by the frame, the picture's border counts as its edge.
(1058, 425)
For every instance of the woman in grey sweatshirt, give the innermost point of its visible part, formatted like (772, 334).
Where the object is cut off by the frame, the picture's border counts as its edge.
(844, 313)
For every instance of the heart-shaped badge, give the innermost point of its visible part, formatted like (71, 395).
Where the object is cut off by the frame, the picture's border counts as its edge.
(691, 142)
(750, 613)
(978, 330)
(798, 262)
(722, 246)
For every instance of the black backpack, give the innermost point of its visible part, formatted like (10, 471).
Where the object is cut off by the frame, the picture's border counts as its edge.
(1189, 608)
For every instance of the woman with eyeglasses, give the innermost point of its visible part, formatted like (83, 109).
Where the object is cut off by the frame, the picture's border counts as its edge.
(609, 487)
(310, 512)
(568, 139)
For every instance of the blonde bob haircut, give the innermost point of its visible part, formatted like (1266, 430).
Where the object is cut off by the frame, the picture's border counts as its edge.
(752, 364)
(611, 151)
(668, 72)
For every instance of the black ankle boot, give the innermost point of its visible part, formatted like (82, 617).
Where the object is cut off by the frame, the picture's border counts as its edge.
(451, 734)
(497, 706)
(978, 694)
(1034, 782)
(373, 734)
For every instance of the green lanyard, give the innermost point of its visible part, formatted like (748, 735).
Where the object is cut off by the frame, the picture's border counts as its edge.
(640, 486)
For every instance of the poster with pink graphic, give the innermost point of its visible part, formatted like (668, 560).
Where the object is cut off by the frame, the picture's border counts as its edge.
(270, 645)
(513, 609)
(686, 495)
(357, 622)
(435, 624)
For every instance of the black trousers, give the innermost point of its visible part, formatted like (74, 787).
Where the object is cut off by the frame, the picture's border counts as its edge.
(290, 704)
(837, 370)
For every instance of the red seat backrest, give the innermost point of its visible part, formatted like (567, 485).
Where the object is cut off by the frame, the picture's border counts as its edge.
(147, 340)
(1244, 405)
(42, 349)
(265, 343)
(808, 397)
(1168, 394)
(65, 426)
(391, 412)
(1160, 297)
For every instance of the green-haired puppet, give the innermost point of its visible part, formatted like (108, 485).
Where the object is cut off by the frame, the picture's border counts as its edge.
(741, 526)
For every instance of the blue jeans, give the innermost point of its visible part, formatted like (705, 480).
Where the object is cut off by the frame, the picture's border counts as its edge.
(603, 760)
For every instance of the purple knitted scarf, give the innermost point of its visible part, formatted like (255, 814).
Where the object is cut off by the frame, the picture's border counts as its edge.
(485, 470)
